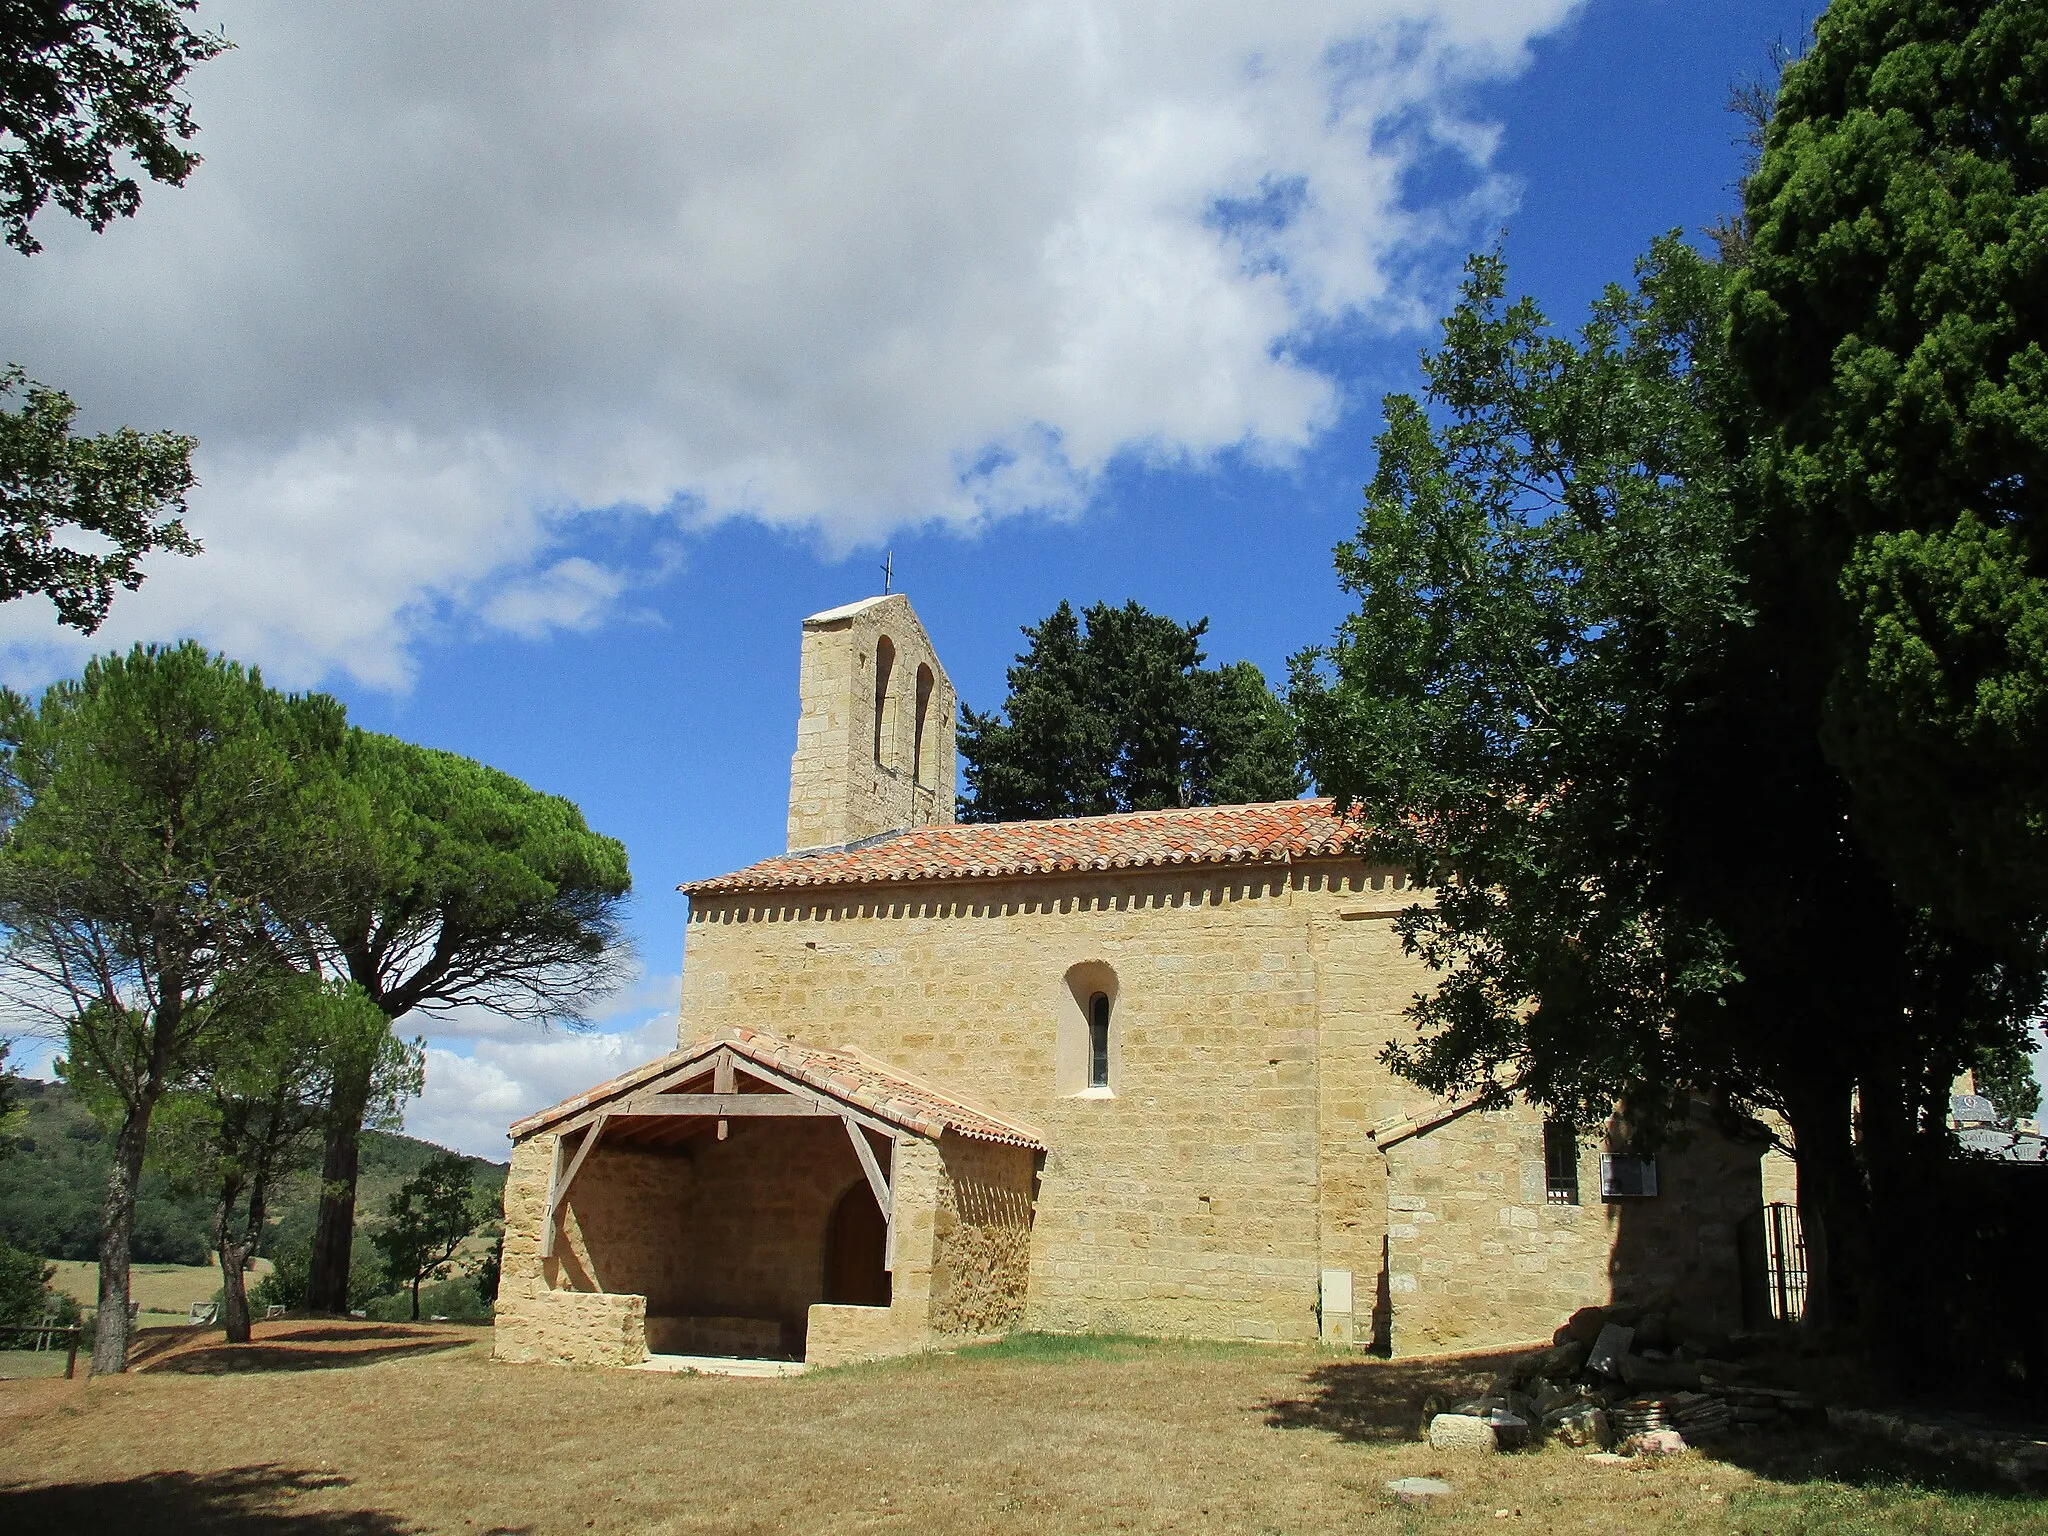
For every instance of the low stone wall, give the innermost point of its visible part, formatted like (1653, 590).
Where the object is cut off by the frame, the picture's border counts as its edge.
(842, 1335)
(571, 1328)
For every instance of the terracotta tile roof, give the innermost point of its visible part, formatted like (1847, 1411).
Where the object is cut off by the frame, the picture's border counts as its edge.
(847, 1075)
(1214, 834)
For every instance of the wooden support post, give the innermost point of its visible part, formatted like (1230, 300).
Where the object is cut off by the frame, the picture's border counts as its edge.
(560, 1198)
(883, 1197)
(547, 1227)
(722, 1082)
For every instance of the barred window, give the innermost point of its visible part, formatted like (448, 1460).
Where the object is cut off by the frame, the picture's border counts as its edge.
(1561, 1162)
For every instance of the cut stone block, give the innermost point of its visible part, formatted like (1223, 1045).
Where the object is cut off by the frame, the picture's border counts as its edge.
(1462, 1432)
(1417, 1490)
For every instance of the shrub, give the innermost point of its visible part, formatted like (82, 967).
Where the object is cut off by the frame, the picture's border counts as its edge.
(285, 1285)
(456, 1299)
(25, 1293)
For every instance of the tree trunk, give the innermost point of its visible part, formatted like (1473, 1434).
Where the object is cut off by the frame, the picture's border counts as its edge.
(415, 1298)
(233, 1248)
(334, 1231)
(117, 1227)
(1833, 1210)
(1905, 1289)
(234, 1254)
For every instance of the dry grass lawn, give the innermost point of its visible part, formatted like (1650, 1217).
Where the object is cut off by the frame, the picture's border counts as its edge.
(325, 1429)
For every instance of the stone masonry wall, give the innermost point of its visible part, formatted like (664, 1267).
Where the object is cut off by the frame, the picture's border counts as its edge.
(1174, 1205)
(982, 1261)
(840, 790)
(621, 1232)
(754, 1221)
(534, 1322)
(1229, 1175)
(1678, 1253)
(1478, 1255)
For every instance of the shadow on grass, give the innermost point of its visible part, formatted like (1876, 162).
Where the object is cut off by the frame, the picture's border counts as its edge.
(1813, 1479)
(1382, 1400)
(241, 1501)
(1816, 1455)
(291, 1354)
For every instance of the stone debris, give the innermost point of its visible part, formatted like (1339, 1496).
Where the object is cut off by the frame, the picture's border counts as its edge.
(1462, 1432)
(1657, 1442)
(1619, 1377)
(1581, 1424)
(1610, 1349)
(1418, 1490)
(1606, 1459)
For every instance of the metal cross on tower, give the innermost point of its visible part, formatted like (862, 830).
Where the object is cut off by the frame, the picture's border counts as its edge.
(888, 571)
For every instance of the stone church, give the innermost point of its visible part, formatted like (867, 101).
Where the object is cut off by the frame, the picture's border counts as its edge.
(1115, 1073)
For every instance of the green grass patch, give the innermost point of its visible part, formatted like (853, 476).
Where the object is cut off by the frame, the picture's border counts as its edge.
(1886, 1509)
(1058, 1348)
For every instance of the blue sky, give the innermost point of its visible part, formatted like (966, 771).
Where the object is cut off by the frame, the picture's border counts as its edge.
(548, 376)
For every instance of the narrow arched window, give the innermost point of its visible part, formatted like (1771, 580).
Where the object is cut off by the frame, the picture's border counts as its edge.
(924, 705)
(885, 663)
(1098, 1041)
(1561, 1162)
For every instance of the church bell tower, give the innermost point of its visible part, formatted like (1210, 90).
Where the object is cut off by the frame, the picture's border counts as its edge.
(874, 736)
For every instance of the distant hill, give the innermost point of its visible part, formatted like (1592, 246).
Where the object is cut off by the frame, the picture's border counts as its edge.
(52, 1185)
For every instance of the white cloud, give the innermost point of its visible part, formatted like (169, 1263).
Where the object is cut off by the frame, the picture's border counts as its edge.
(484, 1072)
(447, 276)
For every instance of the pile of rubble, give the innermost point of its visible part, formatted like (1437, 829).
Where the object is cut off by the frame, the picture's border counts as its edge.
(1616, 1379)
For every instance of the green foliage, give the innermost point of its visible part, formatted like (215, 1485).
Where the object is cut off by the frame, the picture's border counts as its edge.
(24, 1288)
(2005, 1076)
(457, 1299)
(87, 89)
(489, 1269)
(125, 488)
(463, 887)
(1579, 701)
(1543, 575)
(162, 811)
(50, 1194)
(291, 1265)
(252, 1107)
(10, 1094)
(1114, 711)
(1893, 325)
(425, 1222)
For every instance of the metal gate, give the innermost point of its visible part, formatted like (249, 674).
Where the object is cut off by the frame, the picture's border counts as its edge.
(1773, 1248)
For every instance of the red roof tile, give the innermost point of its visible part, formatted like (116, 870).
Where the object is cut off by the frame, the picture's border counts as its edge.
(848, 1075)
(1216, 834)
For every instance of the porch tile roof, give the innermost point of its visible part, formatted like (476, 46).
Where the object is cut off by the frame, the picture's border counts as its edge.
(1271, 833)
(847, 1075)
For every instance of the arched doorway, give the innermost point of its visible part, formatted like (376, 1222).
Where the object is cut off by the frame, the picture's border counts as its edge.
(855, 1242)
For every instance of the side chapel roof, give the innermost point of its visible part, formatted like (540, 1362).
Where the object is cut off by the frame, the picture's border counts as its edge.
(849, 1076)
(1272, 833)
